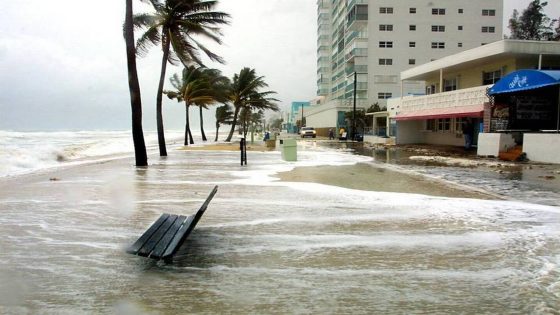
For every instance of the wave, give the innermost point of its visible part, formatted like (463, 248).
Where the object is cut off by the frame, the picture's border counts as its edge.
(26, 152)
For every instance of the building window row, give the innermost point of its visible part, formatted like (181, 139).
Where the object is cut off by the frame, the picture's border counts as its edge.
(386, 10)
(438, 45)
(435, 28)
(385, 44)
(384, 95)
(436, 11)
(385, 61)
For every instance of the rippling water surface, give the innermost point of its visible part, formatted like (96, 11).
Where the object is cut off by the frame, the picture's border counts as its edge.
(265, 246)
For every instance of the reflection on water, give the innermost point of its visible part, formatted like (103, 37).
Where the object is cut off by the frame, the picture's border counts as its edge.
(268, 247)
(539, 183)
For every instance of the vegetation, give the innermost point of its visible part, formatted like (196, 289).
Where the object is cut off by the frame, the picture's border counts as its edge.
(134, 89)
(244, 93)
(224, 116)
(197, 86)
(174, 25)
(534, 24)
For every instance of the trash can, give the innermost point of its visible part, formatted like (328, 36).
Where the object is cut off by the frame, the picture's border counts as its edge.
(288, 148)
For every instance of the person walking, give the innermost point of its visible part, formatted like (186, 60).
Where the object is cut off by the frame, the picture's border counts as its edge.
(468, 133)
(331, 134)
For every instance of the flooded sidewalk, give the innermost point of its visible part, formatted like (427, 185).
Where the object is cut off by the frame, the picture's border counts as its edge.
(268, 246)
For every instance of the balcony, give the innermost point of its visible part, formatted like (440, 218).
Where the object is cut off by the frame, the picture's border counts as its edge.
(464, 97)
(356, 52)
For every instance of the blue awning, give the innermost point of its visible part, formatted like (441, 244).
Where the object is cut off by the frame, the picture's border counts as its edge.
(523, 80)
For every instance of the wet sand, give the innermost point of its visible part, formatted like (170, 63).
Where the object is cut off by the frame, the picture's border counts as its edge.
(369, 177)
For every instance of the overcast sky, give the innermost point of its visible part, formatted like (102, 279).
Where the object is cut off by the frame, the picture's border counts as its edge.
(63, 65)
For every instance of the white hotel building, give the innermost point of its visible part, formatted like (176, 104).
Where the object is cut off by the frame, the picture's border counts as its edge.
(377, 39)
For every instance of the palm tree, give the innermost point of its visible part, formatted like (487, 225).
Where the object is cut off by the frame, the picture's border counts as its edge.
(192, 88)
(244, 92)
(217, 86)
(224, 115)
(173, 25)
(134, 90)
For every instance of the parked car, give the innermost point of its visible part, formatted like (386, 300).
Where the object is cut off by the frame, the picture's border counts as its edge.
(308, 132)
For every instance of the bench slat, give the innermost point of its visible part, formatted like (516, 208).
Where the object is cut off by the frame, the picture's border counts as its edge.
(157, 236)
(179, 238)
(134, 248)
(168, 237)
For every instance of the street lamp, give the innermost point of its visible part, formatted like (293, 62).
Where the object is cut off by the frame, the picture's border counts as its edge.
(302, 114)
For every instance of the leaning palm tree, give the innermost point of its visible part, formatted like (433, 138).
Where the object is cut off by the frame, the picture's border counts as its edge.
(224, 116)
(245, 90)
(191, 88)
(134, 90)
(217, 86)
(174, 25)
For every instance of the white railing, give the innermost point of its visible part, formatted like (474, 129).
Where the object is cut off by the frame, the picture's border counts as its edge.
(464, 97)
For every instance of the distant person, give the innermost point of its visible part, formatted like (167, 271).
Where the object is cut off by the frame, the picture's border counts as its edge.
(342, 134)
(331, 134)
(468, 133)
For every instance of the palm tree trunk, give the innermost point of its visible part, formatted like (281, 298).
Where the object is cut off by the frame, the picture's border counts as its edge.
(134, 89)
(202, 125)
(159, 114)
(235, 114)
(217, 129)
(188, 133)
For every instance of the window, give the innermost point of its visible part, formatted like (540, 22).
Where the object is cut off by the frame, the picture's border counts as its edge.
(412, 27)
(460, 27)
(385, 61)
(438, 11)
(459, 44)
(411, 61)
(431, 89)
(438, 28)
(438, 45)
(460, 11)
(384, 10)
(412, 44)
(488, 29)
(431, 125)
(450, 84)
(384, 95)
(386, 27)
(385, 44)
(488, 12)
(459, 124)
(444, 124)
(491, 77)
(412, 10)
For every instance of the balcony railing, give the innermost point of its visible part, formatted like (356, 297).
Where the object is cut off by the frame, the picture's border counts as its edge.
(464, 97)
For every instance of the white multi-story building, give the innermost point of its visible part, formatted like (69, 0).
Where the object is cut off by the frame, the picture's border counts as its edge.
(374, 40)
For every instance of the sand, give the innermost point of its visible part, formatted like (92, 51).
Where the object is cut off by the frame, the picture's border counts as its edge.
(373, 178)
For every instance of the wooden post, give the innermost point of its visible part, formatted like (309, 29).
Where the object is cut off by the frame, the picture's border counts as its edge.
(243, 149)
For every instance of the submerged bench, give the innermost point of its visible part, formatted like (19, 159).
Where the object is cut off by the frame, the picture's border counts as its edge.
(167, 234)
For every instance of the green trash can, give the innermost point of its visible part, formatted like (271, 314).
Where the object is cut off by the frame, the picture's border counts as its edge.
(288, 148)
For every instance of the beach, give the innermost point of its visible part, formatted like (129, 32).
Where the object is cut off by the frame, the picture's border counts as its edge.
(277, 238)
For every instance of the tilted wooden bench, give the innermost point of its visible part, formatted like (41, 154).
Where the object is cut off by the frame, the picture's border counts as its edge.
(167, 234)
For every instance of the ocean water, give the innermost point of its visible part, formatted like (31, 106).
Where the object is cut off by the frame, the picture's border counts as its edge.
(27, 152)
(266, 246)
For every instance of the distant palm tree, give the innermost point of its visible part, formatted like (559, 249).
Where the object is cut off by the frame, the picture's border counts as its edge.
(224, 116)
(134, 89)
(173, 25)
(245, 92)
(192, 88)
(217, 86)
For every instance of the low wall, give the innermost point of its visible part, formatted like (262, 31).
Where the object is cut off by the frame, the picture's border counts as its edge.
(491, 144)
(542, 147)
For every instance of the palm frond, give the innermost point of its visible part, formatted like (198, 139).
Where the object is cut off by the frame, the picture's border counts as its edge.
(150, 38)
